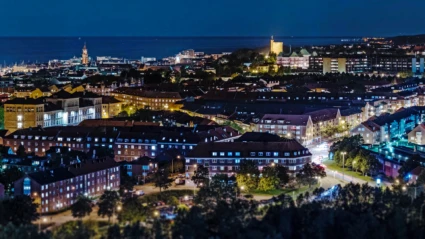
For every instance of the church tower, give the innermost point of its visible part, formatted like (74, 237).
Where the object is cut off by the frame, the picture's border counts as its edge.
(85, 56)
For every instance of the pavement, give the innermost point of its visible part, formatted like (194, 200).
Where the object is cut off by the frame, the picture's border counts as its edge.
(320, 153)
(66, 216)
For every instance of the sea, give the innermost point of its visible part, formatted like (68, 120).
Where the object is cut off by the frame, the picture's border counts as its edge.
(42, 49)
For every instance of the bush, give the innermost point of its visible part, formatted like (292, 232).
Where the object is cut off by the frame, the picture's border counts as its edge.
(166, 196)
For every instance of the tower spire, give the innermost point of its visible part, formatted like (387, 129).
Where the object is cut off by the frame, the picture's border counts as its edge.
(85, 56)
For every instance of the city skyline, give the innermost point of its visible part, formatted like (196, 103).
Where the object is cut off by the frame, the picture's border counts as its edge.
(301, 18)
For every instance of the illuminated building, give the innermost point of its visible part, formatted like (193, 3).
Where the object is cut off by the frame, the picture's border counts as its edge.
(60, 109)
(85, 56)
(334, 65)
(276, 47)
(59, 188)
(154, 100)
(110, 107)
(299, 60)
(224, 158)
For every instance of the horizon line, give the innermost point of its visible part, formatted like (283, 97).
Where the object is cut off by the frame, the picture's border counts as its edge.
(212, 36)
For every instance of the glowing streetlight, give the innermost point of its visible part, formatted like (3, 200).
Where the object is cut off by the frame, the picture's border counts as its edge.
(273, 164)
(242, 188)
(156, 213)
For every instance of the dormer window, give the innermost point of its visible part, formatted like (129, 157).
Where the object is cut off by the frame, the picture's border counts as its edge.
(214, 153)
(230, 154)
(260, 153)
(252, 153)
(60, 138)
(222, 154)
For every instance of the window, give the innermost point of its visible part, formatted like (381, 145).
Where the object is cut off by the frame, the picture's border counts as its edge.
(221, 153)
(27, 186)
(214, 153)
(260, 153)
(268, 154)
(230, 154)
(275, 154)
(238, 154)
(252, 154)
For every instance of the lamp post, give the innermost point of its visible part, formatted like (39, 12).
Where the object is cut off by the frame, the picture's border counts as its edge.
(343, 163)
(118, 208)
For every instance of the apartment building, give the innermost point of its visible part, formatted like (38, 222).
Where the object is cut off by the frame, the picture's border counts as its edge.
(386, 127)
(155, 100)
(299, 127)
(59, 188)
(111, 107)
(128, 143)
(224, 158)
(60, 109)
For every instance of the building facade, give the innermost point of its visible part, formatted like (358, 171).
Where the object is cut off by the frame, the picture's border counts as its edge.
(59, 188)
(224, 158)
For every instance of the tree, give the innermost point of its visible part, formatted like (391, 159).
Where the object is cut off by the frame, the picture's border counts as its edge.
(219, 188)
(21, 151)
(273, 177)
(133, 211)
(268, 183)
(201, 175)
(9, 176)
(190, 224)
(114, 232)
(82, 207)
(421, 178)
(279, 171)
(20, 210)
(72, 230)
(126, 182)
(11, 231)
(108, 203)
(161, 179)
(309, 173)
(248, 175)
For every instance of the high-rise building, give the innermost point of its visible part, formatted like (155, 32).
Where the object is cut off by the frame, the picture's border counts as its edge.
(276, 47)
(85, 56)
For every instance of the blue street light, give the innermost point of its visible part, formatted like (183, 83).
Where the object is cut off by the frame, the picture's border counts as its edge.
(378, 181)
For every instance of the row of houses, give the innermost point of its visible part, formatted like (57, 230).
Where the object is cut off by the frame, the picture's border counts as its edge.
(387, 127)
(127, 142)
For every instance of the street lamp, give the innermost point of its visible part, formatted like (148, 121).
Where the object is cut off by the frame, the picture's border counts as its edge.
(273, 164)
(116, 209)
(343, 163)
(155, 213)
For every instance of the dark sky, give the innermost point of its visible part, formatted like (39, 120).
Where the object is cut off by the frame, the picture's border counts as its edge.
(211, 17)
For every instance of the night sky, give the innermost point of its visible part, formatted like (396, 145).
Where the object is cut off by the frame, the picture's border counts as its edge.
(211, 17)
